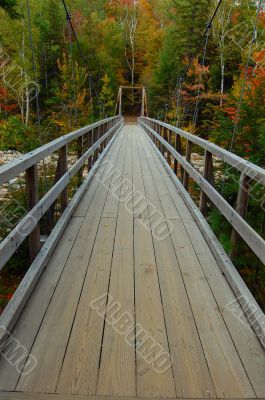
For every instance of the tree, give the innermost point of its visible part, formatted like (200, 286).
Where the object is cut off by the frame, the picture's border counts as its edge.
(10, 7)
(106, 97)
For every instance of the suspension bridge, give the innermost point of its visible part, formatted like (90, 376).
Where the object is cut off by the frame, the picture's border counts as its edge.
(132, 295)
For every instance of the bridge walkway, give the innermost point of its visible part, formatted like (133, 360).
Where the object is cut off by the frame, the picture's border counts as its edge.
(133, 302)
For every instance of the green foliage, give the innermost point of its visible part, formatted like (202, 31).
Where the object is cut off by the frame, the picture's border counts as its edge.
(14, 135)
(106, 97)
(10, 7)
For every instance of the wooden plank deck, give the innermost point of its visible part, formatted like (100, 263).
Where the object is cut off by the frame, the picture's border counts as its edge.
(118, 292)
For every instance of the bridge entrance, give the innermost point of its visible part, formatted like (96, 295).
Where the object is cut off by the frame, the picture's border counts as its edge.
(132, 103)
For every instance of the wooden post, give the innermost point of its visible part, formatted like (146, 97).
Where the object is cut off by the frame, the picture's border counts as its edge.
(188, 158)
(143, 105)
(179, 150)
(164, 134)
(80, 150)
(93, 139)
(120, 103)
(89, 145)
(241, 209)
(161, 147)
(168, 152)
(208, 175)
(63, 167)
(32, 200)
(176, 161)
(96, 139)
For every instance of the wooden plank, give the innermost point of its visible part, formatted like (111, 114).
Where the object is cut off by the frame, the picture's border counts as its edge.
(220, 353)
(255, 242)
(31, 316)
(111, 157)
(40, 396)
(248, 346)
(51, 341)
(8, 318)
(150, 322)
(254, 313)
(117, 364)
(117, 172)
(19, 299)
(80, 367)
(191, 373)
(27, 225)
(19, 165)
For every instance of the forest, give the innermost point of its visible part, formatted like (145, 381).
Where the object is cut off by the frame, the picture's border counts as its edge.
(55, 79)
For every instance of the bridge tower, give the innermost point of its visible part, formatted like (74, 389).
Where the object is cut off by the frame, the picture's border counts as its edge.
(119, 104)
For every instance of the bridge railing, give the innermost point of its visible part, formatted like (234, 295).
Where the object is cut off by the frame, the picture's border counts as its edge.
(168, 139)
(91, 140)
(91, 143)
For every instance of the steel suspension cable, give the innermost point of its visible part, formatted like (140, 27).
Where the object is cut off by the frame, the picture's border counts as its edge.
(183, 77)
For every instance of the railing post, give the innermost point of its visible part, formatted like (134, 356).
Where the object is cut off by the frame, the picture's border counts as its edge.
(93, 139)
(188, 158)
(32, 200)
(241, 209)
(80, 151)
(168, 152)
(96, 139)
(176, 161)
(208, 175)
(164, 132)
(63, 167)
(179, 150)
(89, 145)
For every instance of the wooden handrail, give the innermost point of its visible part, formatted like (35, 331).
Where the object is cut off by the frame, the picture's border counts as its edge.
(234, 217)
(249, 169)
(21, 164)
(29, 225)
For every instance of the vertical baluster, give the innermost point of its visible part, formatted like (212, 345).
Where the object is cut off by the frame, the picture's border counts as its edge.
(208, 175)
(179, 150)
(80, 150)
(176, 161)
(32, 200)
(160, 144)
(168, 152)
(89, 145)
(97, 138)
(241, 209)
(188, 158)
(63, 167)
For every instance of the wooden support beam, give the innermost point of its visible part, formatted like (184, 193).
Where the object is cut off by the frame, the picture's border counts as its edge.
(89, 145)
(32, 200)
(80, 152)
(120, 102)
(241, 209)
(208, 175)
(168, 152)
(63, 167)
(175, 161)
(179, 150)
(188, 158)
